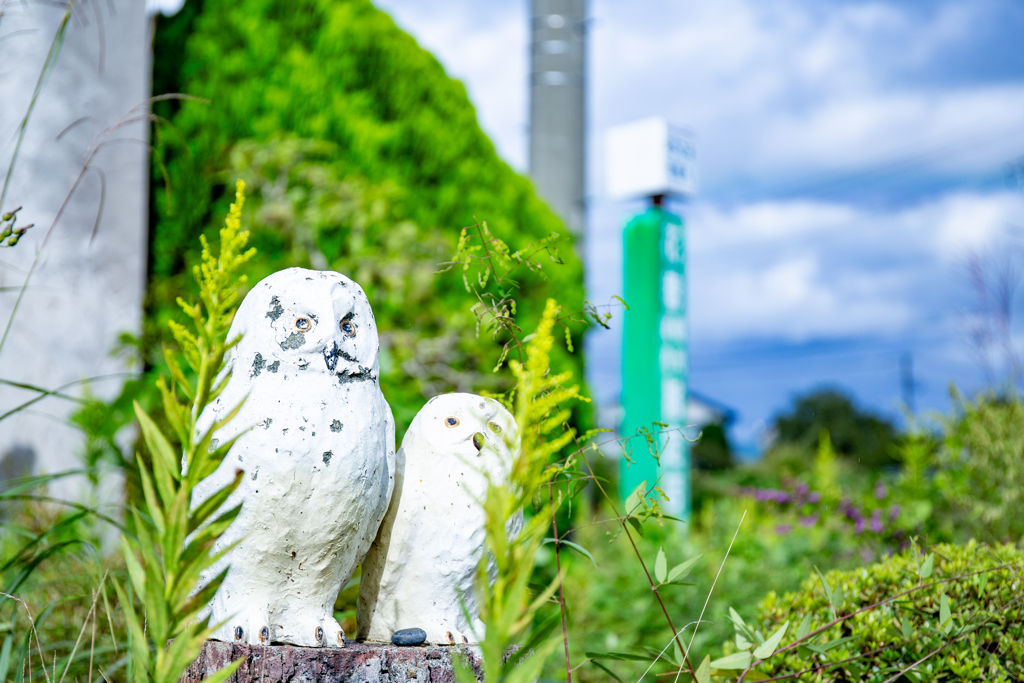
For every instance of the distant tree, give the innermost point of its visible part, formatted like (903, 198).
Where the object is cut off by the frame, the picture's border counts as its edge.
(859, 436)
(712, 451)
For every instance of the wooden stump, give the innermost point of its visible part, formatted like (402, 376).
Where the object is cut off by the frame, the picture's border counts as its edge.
(354, 663)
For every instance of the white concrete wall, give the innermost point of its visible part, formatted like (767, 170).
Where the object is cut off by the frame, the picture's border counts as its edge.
(85, 292)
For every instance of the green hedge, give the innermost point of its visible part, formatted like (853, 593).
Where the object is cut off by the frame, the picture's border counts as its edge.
(980, 637)
(341, 74)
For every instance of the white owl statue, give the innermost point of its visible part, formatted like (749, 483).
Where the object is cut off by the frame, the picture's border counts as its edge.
(317, 447)
(421, 569)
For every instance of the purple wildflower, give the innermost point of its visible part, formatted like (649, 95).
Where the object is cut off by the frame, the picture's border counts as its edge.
(876, 521)
(880, 490)
(894, 512)
(808, 521)
(815, 497)
(783, 529)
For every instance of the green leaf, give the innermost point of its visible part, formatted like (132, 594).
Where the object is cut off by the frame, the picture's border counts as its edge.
(202, 512)
(578, 548)
(605, 669)
(737, 660)
(944, 612)
(680, 571)
(907, 629)
(635, 499)
(163, 455)
(660, 566)
(772, 643)
(804, 628)
(926, 567)
(5, 656)
(635, 523)
(741, 626)
(838, 598)
(704, 670)
(824, 586)
(620, 656)
(541, 632)
(825, 647)
(135, 572)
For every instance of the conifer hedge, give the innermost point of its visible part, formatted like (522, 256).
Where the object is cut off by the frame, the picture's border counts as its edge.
(341, 73)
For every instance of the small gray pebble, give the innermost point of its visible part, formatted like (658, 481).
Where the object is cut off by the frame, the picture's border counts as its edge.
(409, 636)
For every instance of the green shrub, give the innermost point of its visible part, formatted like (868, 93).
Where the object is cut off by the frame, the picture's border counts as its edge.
(982, 466)
(388, 121)
(962, 616)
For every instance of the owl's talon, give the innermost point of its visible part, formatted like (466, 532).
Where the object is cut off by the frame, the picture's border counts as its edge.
(239, 633)
(265, 635)
(320, 634)
(341, 638)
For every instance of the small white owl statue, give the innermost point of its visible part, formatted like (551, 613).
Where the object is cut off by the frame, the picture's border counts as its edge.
(421, 569)
(317, 445)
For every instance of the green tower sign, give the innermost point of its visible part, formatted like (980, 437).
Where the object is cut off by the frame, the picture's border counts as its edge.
(655, 357)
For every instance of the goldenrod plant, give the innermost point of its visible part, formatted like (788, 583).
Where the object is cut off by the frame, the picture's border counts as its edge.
(507, 607)
(173, 535)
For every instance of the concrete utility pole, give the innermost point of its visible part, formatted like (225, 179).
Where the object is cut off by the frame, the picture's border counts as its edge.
(558, 95)
(88, 282)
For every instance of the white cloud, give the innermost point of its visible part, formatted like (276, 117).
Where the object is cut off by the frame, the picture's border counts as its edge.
(800, 270)
(777, 87)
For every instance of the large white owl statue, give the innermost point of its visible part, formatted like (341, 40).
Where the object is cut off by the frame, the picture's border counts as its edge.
(317, 447)
(420, 571)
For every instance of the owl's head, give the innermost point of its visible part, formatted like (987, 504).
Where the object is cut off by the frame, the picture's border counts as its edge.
(473, 428)
(309, 320)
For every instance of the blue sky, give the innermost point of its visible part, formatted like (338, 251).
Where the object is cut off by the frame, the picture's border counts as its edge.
(853, 158)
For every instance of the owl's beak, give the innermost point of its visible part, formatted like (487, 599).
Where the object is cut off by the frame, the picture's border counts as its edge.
(478, 441)
(331, 356)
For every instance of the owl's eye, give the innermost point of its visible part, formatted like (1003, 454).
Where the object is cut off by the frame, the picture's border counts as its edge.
(494, 427)
(303, 324)
(451, 421)
(348, 327)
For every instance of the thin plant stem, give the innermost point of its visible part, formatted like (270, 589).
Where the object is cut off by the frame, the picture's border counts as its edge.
(643, 565)
(561, 595)
(91, 613)
(33, 632)
(708, 599)
(92, 644)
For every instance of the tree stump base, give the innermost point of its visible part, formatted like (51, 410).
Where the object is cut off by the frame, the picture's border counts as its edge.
(354, 663)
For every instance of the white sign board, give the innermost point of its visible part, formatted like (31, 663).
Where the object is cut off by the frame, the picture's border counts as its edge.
(649, 157)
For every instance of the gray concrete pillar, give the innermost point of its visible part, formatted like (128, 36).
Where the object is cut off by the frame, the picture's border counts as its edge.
(558, 96)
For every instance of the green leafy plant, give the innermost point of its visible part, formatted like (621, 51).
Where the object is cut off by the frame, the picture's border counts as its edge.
(173, 535)
(952, 614)
(540, 401)
(507, 608)
(981, 464)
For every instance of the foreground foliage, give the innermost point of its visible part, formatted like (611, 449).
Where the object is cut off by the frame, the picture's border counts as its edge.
(952, 614)
(173, 535)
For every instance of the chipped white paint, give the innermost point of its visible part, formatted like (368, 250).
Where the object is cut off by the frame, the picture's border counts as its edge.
(421, 569)
(317, 444)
